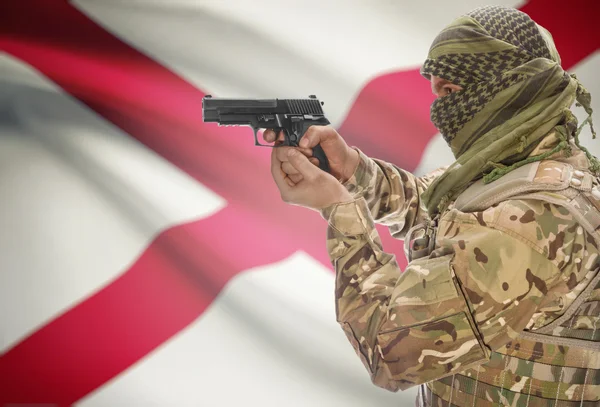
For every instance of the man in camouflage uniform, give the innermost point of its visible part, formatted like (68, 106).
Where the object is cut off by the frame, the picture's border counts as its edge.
(500, 302)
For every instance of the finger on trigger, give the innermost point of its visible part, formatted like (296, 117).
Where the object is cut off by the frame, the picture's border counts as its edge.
(281, 136)
(269, 135)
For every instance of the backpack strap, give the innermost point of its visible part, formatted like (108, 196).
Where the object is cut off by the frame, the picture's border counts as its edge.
(534, 177)
(551, 181)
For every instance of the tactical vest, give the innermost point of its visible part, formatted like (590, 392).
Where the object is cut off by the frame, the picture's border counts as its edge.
(567, 348)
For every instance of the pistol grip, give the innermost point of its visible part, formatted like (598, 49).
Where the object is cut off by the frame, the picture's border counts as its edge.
(319, 154)
(299, 128)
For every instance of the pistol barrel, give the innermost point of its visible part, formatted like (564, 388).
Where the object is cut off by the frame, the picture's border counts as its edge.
(214, 109)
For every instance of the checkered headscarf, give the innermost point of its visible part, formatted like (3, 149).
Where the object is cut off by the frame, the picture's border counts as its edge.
(514, 93)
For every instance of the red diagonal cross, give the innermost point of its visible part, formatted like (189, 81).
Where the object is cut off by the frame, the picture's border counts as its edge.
(183, 270)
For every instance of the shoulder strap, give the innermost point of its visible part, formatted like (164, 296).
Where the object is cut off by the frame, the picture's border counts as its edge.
(551, 181)
(533, 177)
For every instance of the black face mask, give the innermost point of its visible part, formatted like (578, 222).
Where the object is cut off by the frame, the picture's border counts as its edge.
(451, 113)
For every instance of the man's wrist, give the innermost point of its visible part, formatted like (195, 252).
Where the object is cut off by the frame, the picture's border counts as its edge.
(363, 174)
(352, 165)
(342, 197)
(349, 218)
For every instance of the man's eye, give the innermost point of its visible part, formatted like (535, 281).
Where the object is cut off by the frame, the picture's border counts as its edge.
(448, 91)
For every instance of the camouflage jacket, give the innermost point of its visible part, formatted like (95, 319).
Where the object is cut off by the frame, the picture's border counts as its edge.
(452, 319)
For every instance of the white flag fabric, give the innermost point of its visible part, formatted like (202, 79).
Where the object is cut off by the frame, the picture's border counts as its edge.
(146, 258)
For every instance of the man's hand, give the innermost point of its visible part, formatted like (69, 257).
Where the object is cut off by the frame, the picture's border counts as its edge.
(343, 160)
(316, 190)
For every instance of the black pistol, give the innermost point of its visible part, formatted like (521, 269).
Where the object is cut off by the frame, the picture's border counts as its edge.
(293, 116)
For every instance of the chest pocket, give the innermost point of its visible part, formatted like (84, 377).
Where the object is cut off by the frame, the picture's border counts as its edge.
(433, 316)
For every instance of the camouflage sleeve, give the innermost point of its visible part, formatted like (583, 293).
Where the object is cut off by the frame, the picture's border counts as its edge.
(392, 194)
(446, 312)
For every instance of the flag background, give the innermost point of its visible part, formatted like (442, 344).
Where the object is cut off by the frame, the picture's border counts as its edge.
(146, 257)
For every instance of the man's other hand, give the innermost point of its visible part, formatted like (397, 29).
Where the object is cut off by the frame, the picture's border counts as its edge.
(316, 190)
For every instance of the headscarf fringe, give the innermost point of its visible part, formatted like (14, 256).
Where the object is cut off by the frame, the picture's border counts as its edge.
(584, 100)
(497, 173)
